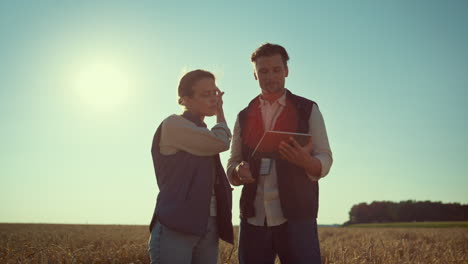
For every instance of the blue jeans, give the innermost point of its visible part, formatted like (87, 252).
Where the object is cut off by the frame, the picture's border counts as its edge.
(167, 246)
(295, 242)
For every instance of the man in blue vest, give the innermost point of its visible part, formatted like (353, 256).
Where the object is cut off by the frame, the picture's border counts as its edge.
(279, 201)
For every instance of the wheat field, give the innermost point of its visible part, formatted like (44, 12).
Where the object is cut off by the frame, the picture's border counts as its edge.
(51, 243)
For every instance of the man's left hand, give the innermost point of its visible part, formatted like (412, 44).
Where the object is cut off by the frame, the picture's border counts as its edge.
(294, 153)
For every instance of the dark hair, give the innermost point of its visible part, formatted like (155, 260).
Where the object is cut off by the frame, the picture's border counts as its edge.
(189, 80)
(269, 49)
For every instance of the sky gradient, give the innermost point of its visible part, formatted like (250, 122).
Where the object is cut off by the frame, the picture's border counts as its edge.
(84, 85)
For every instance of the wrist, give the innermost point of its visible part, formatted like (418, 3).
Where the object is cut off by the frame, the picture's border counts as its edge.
(308, 162)
(235, 179)
(313, 167)
(220, 117)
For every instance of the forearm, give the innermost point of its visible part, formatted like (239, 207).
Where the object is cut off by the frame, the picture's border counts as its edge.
(235, 157)
(180, 134)
(231, 170)
(220, 117)
(234, 177)
(321, 153)
(313, 167)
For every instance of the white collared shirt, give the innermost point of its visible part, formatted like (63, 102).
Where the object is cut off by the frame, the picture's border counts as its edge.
(267, 202)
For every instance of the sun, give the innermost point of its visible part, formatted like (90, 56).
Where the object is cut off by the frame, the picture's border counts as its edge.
(102, 85)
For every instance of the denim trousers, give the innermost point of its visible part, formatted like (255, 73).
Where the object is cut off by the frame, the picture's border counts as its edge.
(167, 246)
(295, 242)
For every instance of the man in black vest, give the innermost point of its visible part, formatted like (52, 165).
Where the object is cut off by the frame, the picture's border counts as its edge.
(279, 201)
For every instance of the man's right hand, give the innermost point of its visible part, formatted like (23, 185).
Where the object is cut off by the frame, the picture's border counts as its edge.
(242, 174)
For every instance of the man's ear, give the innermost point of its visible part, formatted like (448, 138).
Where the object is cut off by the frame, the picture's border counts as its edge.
(287, 71)
(255, 75)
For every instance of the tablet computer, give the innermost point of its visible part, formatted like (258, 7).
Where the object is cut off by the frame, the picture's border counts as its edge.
(268, 145)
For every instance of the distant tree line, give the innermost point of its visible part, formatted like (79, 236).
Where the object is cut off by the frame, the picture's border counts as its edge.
(407, 211)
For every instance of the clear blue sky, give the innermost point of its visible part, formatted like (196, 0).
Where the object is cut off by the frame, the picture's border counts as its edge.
(84, 84)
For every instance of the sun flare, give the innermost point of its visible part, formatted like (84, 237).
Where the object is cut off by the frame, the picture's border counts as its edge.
(103, 85)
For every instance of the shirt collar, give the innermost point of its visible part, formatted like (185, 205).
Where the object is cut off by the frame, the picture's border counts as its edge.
(280, 101)
(195, 119)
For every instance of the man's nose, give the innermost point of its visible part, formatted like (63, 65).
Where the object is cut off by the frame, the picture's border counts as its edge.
(270, 75)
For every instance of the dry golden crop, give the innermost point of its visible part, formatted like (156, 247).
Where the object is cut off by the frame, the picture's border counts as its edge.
(42, 243)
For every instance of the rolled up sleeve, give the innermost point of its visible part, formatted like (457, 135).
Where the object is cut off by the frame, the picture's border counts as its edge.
(236, 152)
(179, 134)
(321, 147)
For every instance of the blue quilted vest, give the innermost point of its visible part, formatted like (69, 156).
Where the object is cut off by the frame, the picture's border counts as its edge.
(185, 187)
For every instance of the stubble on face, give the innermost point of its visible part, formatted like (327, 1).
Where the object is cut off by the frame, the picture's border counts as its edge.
(271, 73)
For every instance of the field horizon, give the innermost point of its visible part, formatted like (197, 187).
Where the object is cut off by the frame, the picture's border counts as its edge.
(89, 243)
(434, 224)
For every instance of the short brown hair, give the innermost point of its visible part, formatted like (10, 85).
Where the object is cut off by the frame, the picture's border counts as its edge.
(189, 80)
(269, 49)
